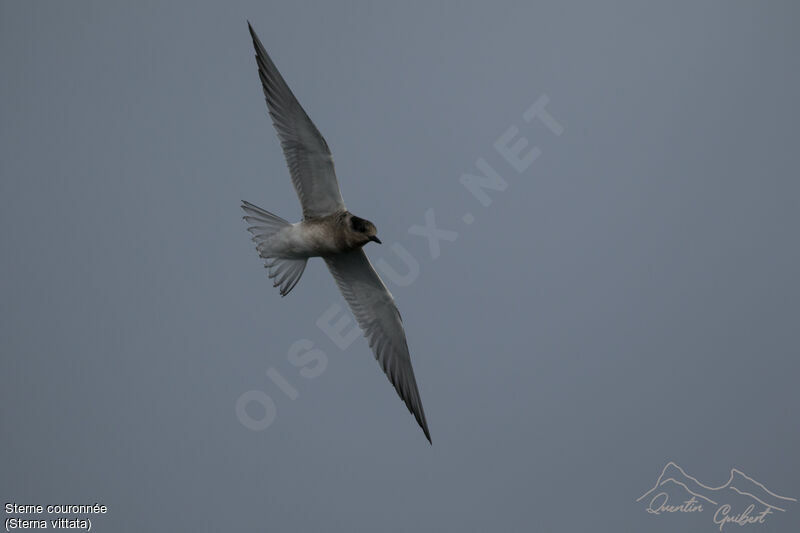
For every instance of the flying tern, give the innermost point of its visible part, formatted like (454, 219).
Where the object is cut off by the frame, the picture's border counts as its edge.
(327, 230)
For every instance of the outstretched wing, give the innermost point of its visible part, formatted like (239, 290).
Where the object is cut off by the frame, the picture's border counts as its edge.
(307, 154)
(376, 313)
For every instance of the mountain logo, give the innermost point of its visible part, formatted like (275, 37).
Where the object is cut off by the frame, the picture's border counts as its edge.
(741, 500)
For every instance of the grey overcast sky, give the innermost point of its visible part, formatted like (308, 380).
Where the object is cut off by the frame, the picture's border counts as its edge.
(630, 298)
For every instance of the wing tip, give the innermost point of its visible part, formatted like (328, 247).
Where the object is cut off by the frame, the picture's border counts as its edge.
(423, 423)
(256, 40)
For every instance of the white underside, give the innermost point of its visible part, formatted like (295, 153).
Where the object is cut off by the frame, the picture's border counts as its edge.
(301, 241)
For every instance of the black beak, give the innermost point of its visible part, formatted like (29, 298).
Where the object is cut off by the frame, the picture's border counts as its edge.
(375, 239)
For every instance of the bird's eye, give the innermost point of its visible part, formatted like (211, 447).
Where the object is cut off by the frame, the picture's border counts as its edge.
(358, 224)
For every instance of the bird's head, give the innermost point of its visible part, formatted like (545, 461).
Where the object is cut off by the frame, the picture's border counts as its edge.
(364, 230)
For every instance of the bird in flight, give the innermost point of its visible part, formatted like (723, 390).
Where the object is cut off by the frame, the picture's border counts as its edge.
(328, 230)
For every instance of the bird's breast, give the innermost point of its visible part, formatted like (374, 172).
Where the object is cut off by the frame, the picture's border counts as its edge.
(309, 239)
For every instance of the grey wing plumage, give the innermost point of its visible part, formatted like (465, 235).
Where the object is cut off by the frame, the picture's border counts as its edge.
(307, 154)
(377, 314)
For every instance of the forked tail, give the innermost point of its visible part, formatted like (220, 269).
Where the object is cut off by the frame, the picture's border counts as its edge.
(285, 272)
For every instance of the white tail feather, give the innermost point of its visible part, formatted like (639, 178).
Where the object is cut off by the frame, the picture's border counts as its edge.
(285, 272)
